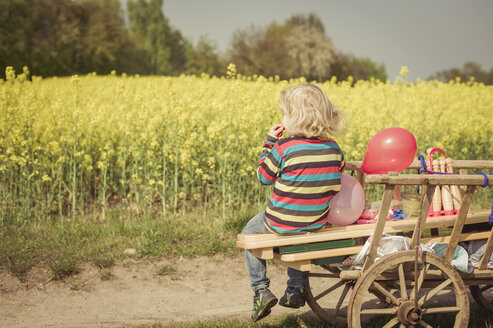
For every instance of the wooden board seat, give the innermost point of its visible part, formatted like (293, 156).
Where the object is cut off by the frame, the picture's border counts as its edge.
(257, 241)
(266, 245)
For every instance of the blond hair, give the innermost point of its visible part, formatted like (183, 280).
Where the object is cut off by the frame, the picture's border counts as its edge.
(310, 112)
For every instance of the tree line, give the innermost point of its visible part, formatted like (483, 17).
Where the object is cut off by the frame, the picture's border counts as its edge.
(65, 37)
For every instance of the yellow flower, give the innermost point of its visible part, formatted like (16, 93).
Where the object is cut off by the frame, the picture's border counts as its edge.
(404, 71)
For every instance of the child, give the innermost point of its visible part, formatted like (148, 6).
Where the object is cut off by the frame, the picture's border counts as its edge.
(305, 169)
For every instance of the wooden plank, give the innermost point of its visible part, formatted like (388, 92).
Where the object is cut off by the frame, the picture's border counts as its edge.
(361, 179)
(458, 164)
(431, 179)
(320, 254)
(459, 224)
(487, 252)
(301, 265)
(381, 219)
(420, 225)
(316, 246)
(397, 197)
(463, 237)
(330, 260)
(263, 253)
(475, 274)
(252, 241)
(356, 249)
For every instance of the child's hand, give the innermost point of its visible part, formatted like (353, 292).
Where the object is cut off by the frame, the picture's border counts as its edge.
(276, 131)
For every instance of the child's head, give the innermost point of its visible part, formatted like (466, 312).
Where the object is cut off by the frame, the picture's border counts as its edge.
(308, 112)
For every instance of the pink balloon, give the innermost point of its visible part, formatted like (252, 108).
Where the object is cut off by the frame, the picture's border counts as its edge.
(391, 149)
(348, 204)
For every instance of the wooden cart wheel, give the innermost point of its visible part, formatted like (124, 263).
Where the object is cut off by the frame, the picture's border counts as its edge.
(324, 289)
(483, 295)
(399, 267)
(321, 290)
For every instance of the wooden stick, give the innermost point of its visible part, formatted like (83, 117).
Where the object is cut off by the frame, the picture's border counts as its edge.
(454, 189)
(448, 205)
(381, 219)
(487, 252)
(459, 223)
(397, 197)
(437, 197)
(418, 229)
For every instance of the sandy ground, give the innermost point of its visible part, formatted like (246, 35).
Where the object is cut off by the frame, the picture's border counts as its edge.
(200, 289)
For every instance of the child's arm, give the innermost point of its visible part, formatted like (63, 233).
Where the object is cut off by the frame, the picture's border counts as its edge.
(343, 162)
(271, 159)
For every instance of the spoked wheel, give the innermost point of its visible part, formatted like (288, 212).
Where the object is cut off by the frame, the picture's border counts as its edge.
(393, 276)
(322, 289)
(327, 295)
(483, 295)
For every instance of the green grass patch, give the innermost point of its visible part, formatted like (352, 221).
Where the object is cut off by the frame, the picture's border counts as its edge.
(105, 275)
(478, 319)
(62, 244)
(164, 270)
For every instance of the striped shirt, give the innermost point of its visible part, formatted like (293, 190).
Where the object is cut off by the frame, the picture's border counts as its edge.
(306, 174)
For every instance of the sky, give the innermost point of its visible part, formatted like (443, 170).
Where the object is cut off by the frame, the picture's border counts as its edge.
(425, 35)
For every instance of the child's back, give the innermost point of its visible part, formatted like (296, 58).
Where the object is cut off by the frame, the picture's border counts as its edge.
(305, 169)
(307, 174)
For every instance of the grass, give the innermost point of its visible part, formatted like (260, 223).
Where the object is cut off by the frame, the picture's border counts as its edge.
(478, 319)
(105, 275)
(62, 244)
(164, 270)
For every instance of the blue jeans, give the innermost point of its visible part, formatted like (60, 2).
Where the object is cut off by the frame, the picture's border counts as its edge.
(257, 268)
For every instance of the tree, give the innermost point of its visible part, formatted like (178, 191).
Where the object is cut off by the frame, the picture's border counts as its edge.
(310, 51)
(202, 58)
(298, 47)
(470, 70)
(163, 46)
(345, 65)
(311, 21)
(152, 30)
(260, 51)
(63, 37)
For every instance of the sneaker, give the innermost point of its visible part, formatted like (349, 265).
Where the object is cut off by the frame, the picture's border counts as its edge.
(294, 297)
(263, 301)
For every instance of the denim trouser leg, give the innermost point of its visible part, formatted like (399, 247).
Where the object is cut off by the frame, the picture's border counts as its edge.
(257, 268)
(296, 278)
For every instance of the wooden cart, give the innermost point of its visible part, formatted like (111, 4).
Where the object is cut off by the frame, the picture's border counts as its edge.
(406, 286)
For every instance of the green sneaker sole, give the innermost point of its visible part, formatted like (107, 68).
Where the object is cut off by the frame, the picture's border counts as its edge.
(265, 310)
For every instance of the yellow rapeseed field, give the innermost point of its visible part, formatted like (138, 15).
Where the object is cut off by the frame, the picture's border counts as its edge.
(169, 141)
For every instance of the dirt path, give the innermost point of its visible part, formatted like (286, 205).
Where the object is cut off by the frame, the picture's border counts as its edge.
(200, 289)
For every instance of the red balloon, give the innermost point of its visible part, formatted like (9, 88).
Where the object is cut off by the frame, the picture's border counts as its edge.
(392, 149)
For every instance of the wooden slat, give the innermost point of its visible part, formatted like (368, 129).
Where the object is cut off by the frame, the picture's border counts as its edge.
(301, 265)
(321, 254)
(430, 179)
(487, 252)
(420, 225)
(252, 241)
(381, 219)
(263, 253)
(459, 224)
(458, 164)
(356, 249)
(463, 237)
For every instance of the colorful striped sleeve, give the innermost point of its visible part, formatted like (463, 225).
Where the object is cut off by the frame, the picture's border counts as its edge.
(271, 162)
(343, 162)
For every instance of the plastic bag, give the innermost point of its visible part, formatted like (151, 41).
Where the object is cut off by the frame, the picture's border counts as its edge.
(388, 244)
